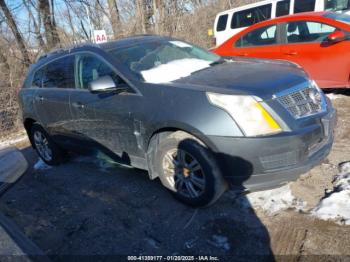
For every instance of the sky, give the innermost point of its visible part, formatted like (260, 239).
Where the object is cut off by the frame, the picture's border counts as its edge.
(21, 16)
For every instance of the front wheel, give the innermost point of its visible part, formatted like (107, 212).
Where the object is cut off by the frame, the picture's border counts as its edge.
(187, 167)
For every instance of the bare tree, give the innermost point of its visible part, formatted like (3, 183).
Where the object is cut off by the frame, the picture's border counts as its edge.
(13, 26)
(144, 13)
(159, 9)
(48, 17)
(115, 18)
(4, 63)
(37, 24)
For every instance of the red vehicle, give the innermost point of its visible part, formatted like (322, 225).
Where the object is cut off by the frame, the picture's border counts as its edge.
(319, 42)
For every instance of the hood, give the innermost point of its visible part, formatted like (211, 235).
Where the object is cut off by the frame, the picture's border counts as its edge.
(262, 78)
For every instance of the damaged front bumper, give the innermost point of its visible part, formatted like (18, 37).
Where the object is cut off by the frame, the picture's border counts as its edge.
(264, 163)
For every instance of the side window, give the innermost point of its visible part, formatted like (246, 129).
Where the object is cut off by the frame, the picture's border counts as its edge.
(259, 37)
(336, 5)
(221, 26)
(37, 78)
(91, 68)
(282, 8)
(251, 16)
(301, 6)
(307, 31)
(59, 73)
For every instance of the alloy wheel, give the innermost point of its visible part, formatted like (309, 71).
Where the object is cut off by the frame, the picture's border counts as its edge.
(184, 173)
(42, 145)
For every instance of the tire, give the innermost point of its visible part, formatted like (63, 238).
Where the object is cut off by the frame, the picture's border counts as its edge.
(45, 147)
(189, 170)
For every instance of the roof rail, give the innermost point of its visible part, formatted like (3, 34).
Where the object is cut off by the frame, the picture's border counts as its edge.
(66, 49)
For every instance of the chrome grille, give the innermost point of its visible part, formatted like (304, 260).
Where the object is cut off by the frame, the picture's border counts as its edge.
(303, 102)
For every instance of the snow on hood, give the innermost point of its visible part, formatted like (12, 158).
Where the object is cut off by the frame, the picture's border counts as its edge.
(174, 70)
(337, 205)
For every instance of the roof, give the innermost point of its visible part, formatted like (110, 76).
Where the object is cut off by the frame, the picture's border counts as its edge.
(108, 45)
(130, 40)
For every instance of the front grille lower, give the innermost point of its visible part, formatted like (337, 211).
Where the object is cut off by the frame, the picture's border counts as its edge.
(303, 102)
(281, 160)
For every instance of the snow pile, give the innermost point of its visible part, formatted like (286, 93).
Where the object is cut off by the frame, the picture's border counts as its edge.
(220, 242)
(337, 205)
(103, 162)
(174, 70)
(41, 165)
(272, 201)
(13, 141)
(332, 96)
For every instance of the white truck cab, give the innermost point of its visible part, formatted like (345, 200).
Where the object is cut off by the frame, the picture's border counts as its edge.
(231, 22)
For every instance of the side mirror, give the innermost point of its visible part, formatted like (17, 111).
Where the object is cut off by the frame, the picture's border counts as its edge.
(336, 36)
(102, 84)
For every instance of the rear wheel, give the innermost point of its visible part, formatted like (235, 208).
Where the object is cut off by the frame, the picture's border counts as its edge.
(46, 148)
(189, 170)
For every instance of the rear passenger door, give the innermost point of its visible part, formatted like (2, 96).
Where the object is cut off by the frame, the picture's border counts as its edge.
(55, 80)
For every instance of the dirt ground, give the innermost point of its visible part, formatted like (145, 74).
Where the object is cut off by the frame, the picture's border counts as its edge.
(89, 207)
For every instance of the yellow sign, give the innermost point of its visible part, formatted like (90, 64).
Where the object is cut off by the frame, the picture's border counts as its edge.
(210, 32)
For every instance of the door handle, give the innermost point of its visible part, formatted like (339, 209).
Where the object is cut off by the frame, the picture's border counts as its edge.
(291, 53)
(78, 105)
(39, 98)
(243, 54)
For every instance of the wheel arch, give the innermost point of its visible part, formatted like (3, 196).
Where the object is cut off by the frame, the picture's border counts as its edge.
(158, 134)
(28, 123)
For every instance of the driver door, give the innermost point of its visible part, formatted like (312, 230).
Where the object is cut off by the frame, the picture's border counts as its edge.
(102, 119)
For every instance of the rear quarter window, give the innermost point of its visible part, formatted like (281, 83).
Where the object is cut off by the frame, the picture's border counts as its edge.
(222, 22)
(251, 16)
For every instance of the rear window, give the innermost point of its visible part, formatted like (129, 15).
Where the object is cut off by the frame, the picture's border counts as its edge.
(251, 16)
(301, 6)
(221, 26)
(282, 8)
(59, 73)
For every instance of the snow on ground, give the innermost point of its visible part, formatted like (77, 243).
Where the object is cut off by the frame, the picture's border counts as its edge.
(273, 201)
(102, 161)
(13, 140)
(337, 205)
(174, 70)
(41, 165)
(332, 96)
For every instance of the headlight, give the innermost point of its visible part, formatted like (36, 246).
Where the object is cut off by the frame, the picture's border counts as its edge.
(248, 113)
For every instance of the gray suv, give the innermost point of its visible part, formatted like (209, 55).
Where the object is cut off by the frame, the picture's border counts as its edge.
(198, 122)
